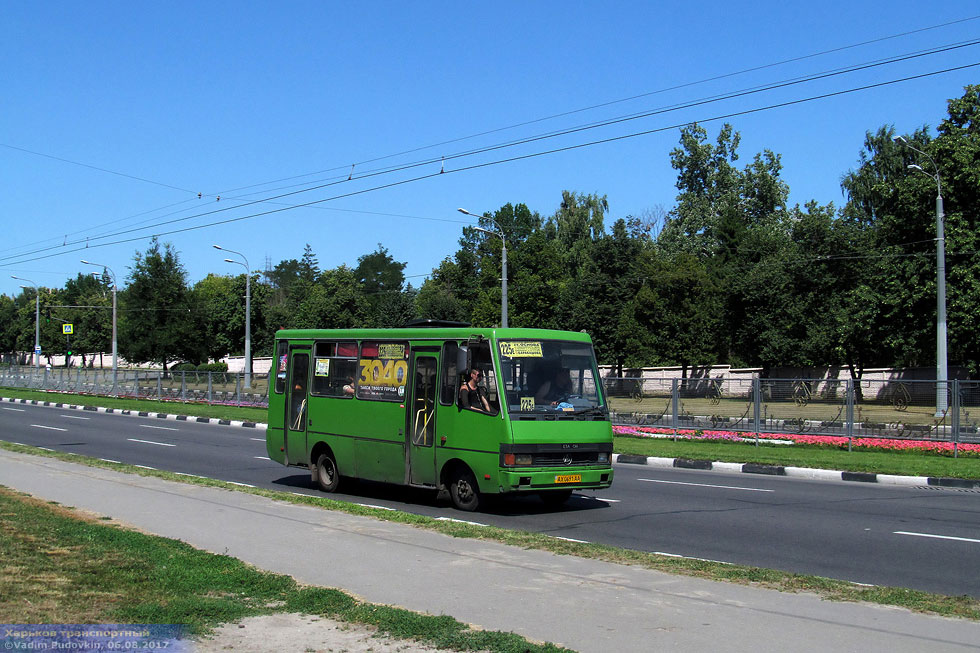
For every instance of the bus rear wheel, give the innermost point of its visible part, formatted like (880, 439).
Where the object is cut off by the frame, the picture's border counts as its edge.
(327, 476)
(555, 497)
(464, 491)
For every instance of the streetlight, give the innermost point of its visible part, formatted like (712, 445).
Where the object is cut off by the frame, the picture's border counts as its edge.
(37, 320)
(503, 262)
(115, 348)
(941, 369)
(248, 312)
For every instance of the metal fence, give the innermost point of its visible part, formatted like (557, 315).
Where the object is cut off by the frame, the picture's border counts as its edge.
(202, 387)
(848, 408)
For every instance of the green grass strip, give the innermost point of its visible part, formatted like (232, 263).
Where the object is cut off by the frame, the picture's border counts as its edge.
(951, 606)
(58, 566)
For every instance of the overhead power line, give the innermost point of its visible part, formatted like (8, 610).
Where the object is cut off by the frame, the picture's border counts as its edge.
(622, 119)
(513, 159)
(483, 133)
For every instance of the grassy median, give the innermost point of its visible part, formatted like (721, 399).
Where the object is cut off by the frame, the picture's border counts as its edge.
(60, 566)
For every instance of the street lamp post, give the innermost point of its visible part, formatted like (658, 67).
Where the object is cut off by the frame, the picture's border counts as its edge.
(37, 320)
(503, 262)
(115, 348)
(248, 312)
(941, 367)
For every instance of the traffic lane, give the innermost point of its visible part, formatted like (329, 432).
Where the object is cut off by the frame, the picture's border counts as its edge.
(823, 528)
(172, 445)
(103, 428)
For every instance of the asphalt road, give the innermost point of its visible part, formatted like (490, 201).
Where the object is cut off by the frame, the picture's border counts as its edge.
(923, 538)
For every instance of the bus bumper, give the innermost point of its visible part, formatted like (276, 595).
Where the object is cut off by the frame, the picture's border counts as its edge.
(528, 480)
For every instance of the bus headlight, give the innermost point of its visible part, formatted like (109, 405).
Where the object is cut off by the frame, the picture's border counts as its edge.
(518, 460)
(603, 458)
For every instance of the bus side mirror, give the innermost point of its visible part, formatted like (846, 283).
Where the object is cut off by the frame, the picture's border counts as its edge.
(463, 361)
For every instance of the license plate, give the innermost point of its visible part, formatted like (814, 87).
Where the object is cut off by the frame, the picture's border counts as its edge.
(569, 478)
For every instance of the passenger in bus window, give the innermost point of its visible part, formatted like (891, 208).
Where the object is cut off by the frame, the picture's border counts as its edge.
(472, 395)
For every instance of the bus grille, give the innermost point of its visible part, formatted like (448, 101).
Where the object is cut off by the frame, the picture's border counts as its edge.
(565, 459)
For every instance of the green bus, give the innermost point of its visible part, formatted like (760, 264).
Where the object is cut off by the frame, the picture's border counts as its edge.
(471, 411)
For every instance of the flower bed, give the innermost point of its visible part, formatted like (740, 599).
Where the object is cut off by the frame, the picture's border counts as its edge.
(828, 441)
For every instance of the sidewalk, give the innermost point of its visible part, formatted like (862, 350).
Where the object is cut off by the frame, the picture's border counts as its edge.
(583, 604)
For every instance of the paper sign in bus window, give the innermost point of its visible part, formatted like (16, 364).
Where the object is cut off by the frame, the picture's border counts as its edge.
(524, 349)
(527, 403)
(322, 367)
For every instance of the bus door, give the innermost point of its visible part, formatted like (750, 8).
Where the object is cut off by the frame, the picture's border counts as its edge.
(420, 461)
(297, 406)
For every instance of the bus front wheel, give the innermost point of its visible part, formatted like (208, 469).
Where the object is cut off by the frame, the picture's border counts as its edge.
(464, 491)
(327, 476)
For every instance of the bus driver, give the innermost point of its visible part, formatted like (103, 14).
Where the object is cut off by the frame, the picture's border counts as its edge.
(472, 395)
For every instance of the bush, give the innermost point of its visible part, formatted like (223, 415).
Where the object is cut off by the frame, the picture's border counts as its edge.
(184, 367)
(212, 367)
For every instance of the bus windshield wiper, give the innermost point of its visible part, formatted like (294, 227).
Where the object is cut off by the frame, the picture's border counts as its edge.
(595, 410)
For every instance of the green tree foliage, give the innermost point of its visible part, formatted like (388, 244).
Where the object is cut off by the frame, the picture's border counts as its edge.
(93, 319)
(160, 324)
(8, 325)
(734, 275)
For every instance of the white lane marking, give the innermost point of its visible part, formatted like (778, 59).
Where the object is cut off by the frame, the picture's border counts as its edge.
(262, 458)
(45, 448)
(570, 539)
(364, 505)
(50, 428)
(144, 467)
(74, 417)
(606, 500)
(242, 484)
(16, 410)
(162, 444)
(159, 428)
(938, 537)
(460, 521)
(723, 487)
(109, 460)
(191, 475)
(258, 439)
(677, 555)
(300, 494)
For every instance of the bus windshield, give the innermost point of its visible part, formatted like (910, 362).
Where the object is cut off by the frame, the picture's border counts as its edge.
(550, 376)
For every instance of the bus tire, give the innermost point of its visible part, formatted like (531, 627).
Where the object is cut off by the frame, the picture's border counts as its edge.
(327, 476)
(555, 497)
(464, 491)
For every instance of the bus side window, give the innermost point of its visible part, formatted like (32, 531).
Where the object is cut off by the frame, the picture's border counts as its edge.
(334, 369)
(282, 351)
(483, 362)
(450, 376)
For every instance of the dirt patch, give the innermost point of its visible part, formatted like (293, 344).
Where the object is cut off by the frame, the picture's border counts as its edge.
(303, 633)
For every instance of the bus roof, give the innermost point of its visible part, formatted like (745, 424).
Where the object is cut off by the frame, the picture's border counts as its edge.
(431, 333)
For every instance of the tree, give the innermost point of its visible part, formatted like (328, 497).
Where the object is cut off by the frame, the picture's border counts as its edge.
(679, 308)
(8, 325)
(160, 324)
(381, 278)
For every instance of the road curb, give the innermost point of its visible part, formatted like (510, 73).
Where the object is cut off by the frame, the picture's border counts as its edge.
(798, 472)
(132, 413)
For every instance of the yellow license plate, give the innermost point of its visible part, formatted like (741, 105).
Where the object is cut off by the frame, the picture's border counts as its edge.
(569, 478)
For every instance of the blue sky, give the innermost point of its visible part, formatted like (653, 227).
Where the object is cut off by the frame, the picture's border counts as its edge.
(161, 101)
